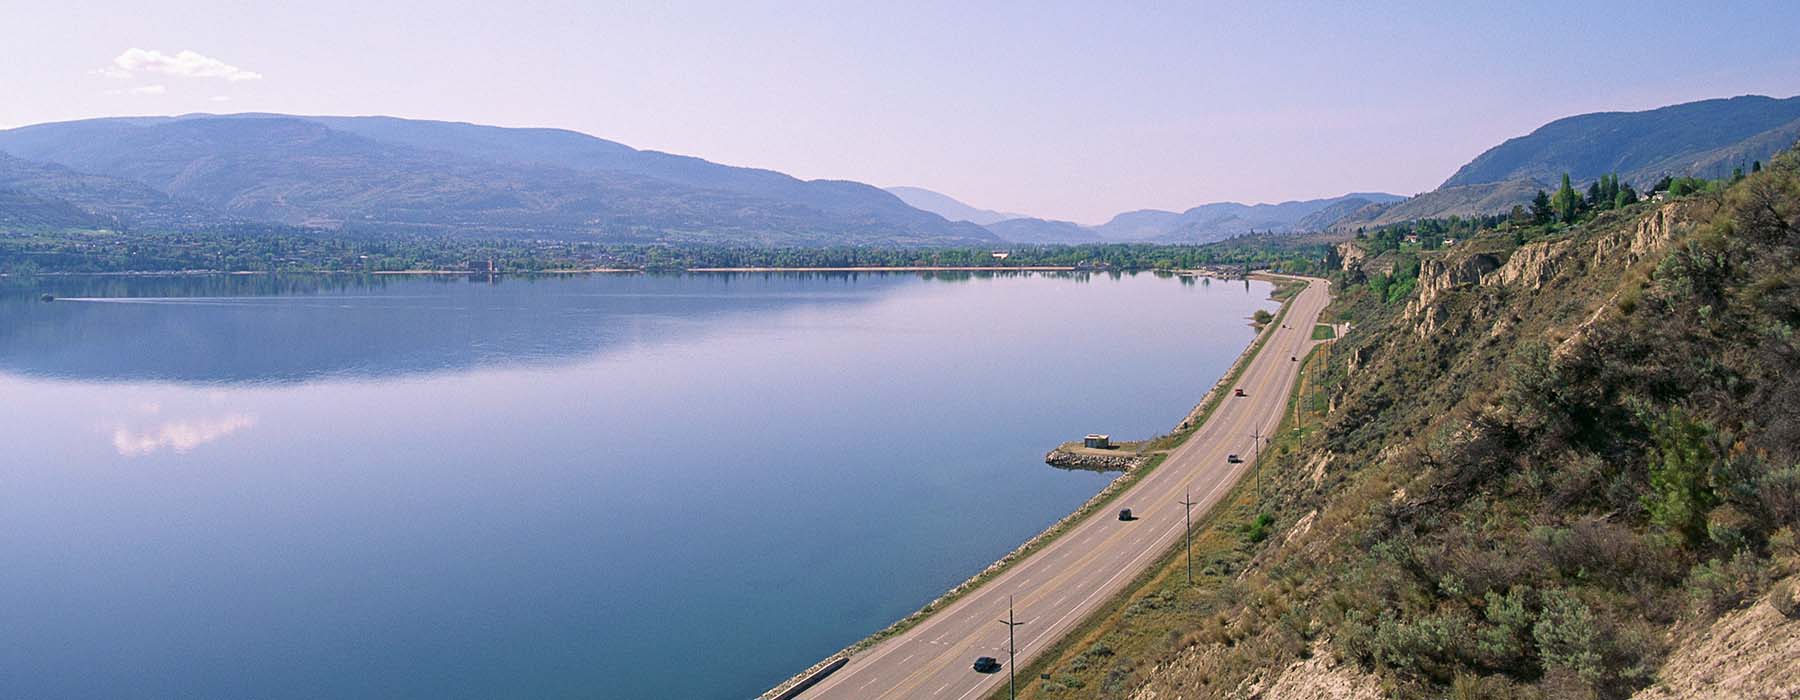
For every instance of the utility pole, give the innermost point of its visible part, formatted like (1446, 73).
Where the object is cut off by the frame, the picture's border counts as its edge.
(1187, 531)
(1012, 674)
(1299, 395)
(1256, 459)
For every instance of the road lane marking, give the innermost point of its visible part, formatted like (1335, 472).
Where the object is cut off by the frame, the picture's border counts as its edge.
(1193, 463)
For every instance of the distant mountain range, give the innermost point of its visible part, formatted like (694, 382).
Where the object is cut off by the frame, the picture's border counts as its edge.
(948, 207)
(1218, 221)
(375, 175)
(380, 174)
(1707, 139)
(1044, 231)
(1202, 224)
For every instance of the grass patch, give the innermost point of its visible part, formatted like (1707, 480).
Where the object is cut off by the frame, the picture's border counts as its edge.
(1324, 332)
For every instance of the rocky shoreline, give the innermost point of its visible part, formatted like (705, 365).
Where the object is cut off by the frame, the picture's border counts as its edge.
(1066, 459)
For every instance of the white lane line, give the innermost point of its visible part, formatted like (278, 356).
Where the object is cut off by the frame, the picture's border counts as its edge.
(1210, 433)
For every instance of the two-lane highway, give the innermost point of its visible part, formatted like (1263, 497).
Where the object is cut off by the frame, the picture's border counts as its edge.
(1054, 588)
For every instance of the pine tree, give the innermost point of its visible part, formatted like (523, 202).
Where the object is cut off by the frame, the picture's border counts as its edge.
(1566, 202)
(1541, 211)
(1756, 166)
(1518, 216)
(1625, 196)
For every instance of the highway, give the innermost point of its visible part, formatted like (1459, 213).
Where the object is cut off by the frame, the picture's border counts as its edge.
(1060, 584)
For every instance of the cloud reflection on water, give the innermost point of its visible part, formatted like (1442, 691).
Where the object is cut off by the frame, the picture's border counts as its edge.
(179, 436)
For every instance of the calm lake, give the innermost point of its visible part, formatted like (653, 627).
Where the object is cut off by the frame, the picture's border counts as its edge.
(628, 486)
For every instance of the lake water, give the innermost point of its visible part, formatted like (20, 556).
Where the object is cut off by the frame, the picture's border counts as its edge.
(620, 486)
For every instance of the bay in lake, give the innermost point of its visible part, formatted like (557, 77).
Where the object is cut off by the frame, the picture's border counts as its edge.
(627, 486)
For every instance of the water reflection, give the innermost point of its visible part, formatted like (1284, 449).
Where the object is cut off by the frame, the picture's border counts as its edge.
(548, 488)
(275, 328)
(180, 436)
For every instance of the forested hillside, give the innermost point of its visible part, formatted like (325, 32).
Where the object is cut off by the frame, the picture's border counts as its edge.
(1547, 465)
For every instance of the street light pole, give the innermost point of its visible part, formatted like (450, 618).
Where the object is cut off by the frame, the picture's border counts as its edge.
(1012, 674)
(1187, 532)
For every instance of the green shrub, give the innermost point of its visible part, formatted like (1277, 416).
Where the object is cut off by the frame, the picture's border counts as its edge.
(1567, 636)
(1715, 586)
(1785, 598)
(1505, 641)
(1779, 495)
(1258, 529)
(1681, 493)
(1427, 645)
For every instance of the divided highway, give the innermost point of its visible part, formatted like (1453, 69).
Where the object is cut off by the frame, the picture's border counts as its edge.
(1054, 588)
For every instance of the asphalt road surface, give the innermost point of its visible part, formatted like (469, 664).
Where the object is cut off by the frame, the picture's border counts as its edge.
(1059, 585)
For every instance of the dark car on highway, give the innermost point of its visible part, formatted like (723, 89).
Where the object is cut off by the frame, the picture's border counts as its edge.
(1125, 514)
(987, 664)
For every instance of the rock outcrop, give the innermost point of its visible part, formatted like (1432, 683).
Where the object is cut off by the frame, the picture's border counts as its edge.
(1652, 232)
(1441, 274)
(1530, 266)
(1350, 255)
(1322, 675)
(1070, 459)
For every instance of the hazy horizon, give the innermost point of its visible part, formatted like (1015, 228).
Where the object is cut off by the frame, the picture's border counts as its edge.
(1057, 111)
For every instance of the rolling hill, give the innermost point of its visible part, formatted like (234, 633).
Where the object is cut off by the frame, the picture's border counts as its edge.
(1707, 139)
(1032, 230)
(1221, 220)
(375, 174)
(45, 194)
(949, 207)
(1703, 139)
(1480, 199)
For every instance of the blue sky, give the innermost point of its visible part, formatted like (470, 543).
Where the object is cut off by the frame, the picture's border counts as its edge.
(1064, 110)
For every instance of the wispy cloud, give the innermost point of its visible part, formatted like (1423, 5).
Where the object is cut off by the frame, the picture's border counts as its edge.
(220, 98)
(157, 89)
(179, 436)
(183, 64)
